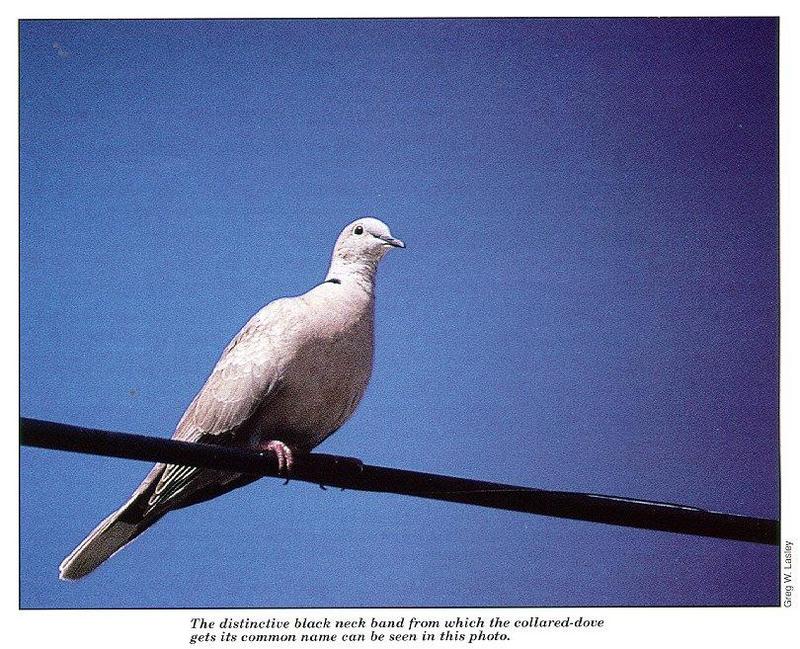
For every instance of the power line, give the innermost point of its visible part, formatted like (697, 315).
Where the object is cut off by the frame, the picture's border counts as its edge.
(351, 473)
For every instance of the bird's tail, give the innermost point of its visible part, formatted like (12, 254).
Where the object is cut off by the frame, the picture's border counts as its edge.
(110, 536)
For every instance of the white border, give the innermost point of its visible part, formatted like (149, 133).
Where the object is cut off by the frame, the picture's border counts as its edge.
(624, 627)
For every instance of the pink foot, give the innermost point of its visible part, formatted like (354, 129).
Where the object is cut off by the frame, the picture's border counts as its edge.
(284, 456)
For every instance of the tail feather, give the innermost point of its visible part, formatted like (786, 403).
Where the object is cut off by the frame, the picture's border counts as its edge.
(113, 533)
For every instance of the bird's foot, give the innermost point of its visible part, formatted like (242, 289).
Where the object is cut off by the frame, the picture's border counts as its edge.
(284, 456)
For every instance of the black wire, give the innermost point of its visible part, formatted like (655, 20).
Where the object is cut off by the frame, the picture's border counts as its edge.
(351, 473)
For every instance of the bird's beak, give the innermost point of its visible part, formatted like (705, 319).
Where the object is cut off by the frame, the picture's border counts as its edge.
(396, 243)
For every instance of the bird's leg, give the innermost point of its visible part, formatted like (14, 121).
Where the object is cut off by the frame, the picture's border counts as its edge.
(283, 454)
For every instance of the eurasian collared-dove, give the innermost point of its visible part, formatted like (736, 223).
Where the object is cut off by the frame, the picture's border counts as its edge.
(289, 379)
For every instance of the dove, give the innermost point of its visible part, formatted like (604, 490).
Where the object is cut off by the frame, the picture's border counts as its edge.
(289, 379)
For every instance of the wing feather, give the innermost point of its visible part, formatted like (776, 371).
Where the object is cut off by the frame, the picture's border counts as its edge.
(246, 376)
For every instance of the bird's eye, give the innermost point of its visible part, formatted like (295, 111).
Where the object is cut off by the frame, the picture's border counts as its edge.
(358, 230)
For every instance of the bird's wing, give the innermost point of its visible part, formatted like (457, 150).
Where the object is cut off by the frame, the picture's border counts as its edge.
(247, 374)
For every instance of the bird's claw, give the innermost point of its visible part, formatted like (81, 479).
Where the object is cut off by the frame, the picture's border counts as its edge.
(283, 454)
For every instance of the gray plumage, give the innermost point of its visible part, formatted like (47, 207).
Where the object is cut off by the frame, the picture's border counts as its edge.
(289, 379)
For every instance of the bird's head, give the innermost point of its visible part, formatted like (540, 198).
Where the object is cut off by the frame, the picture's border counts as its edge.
(365, 239)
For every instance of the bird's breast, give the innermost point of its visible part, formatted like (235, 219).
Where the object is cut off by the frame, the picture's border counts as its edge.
(328, 377)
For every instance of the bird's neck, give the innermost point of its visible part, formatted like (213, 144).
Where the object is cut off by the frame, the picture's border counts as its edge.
(360, 271)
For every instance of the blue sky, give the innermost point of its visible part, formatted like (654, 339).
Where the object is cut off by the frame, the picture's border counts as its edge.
(588, 300)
